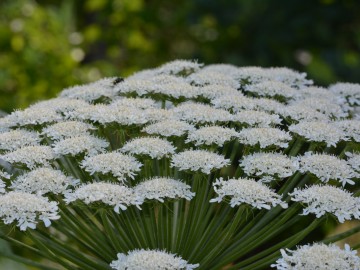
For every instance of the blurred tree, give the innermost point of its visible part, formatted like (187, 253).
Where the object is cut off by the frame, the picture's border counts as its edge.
(47, 45)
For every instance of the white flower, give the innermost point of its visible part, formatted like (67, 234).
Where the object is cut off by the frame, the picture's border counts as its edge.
(34, 116)
(350, 91)
(86, 144)
(42, 181)
(159, 188)
(271, 89)
(252, 75)
(235, 103)
(92, 91)
(351, 128)
(68, 129)
(211, 135)
(169, 128)
(269, 164)
(354, 160)
(27, 209)
(60, 105)
(318, 131)
(140, 86)
(4, 175)
(248, 191)
(213, 91)
(205, 77)
(150, 260)
(18, 138)
(111, 194)
(267, 105)
(327, 167)
(179, 67)
(318, 256)
(264, 137)
(176, 90)
(223, 68)
(6, 123)
(138, 103)
(328, 199)
(299, 112)
(324, 106)
(31, 156)
(195, 160)
(200, 113)
(154, 147)
(288, 76)
(119, 165)
(106, 114)
(317, 92)
(165, 79)
(155, 115)
(257, 118)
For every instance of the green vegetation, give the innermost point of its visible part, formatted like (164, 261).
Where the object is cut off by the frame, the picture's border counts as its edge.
(49, 45)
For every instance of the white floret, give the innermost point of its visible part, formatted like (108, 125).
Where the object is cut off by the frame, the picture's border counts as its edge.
(246, 191)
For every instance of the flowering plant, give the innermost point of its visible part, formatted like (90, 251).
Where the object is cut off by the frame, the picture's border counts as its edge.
(184, 167)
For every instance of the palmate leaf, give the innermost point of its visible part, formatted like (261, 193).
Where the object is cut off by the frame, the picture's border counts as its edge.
(142, 180)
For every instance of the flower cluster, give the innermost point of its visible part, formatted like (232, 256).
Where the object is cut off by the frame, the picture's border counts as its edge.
(151, 260)
(133, 167)
(244, 190)
(318, 256)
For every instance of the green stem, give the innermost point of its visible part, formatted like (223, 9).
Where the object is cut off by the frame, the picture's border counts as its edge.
(340, 236)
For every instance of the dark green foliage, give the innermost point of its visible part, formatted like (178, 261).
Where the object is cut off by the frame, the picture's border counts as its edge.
(48, 45)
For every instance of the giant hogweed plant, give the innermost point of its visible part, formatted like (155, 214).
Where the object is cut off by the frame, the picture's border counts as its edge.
(184, 166)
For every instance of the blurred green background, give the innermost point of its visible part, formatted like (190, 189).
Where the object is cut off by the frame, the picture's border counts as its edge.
(49, 45)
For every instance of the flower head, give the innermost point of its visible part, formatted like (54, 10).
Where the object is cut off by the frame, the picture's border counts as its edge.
(68, 129)
(138, 103)
(27, 209)
(264, 137)
(150, 260)
(318, 256)
(236, 102)
(244, 190)
(211, 135)
(169, 128)
(351, 128)
(257, 118)
(349, 91)
(325, 106)
(154, 147)
(206, 77)
(195, 160)
(119, 165)
(200, 113)
(111, 194)
(317, 131)
(92, 91)
(216, 91)
(42, 181)
(271, 89)
(34, 116)
(18, 138)
(86, 144)
(299, 112)
(327, 167)
(159, 188)
(60, 105)
(354, 160)
(328, 199)
(31, 156)
(269, 165)
(179, 67)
